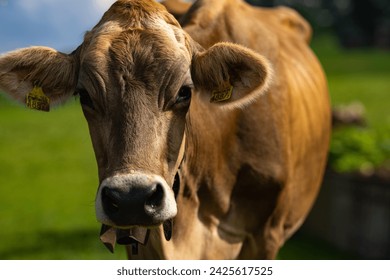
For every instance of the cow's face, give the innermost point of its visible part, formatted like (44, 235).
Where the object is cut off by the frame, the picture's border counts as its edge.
(136, 74)
(135, 88)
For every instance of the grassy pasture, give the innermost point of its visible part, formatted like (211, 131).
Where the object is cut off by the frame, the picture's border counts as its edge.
(48, 174)
(48, 180)
(357, 75)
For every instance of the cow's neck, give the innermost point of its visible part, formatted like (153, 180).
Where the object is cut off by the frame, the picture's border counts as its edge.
(211, 142)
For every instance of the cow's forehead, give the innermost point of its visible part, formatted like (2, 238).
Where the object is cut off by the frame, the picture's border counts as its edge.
(140, 53)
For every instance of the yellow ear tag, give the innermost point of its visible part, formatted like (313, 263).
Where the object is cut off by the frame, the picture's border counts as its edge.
(36, 99)
(222, 94)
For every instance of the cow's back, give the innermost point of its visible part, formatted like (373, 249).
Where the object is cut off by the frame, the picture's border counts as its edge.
(266, 173)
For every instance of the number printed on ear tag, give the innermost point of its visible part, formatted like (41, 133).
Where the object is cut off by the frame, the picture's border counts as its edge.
(37, 100)
(222, 94)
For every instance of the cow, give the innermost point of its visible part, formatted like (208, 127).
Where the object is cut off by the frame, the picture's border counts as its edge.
(210, 137)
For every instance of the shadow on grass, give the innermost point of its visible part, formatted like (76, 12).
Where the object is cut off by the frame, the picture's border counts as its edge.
(74, 245)
(304, 247)
(84, 244)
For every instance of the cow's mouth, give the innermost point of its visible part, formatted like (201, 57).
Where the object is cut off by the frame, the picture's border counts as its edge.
(110, 236)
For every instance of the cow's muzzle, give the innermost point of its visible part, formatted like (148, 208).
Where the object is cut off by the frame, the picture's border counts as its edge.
(125, 201)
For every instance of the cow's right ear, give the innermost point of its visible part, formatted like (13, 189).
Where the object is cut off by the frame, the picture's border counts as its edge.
(230, 75)
(38, 71)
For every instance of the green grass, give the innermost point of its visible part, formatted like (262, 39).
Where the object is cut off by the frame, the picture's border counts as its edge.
(48, 180)
(303, 247)
(357, 75)
(48, 174)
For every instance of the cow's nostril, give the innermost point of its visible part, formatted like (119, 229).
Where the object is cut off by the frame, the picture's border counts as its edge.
(125, 201)
(156, 198)
(110, 200)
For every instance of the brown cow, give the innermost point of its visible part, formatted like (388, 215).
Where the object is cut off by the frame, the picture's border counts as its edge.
(244, 128)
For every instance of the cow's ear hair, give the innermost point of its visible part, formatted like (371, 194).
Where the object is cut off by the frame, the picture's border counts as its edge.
(53, 73)
(230, 75)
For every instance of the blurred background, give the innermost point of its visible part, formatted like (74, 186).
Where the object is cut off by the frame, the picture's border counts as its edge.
(48, 175)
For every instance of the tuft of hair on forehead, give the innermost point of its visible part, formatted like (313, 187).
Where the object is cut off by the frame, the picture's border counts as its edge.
(136, 14)
(126, 15)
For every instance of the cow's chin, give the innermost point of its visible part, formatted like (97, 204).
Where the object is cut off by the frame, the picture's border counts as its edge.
(131, 235)
(110, 236)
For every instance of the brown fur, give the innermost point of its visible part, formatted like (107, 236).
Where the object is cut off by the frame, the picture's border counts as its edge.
(176, 7)
(252, 165)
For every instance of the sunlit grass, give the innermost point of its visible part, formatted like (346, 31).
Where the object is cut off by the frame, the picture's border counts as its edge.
(372, 90)
(48, 180)
(357, 75)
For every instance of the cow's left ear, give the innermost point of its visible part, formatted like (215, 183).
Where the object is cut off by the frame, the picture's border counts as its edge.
(38, 76)
(230, 75)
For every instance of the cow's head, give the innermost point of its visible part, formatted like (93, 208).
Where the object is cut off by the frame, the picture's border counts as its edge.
(136, 74)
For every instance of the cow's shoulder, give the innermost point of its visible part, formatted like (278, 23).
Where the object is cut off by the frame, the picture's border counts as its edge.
(234, 20)
(291, 21)
(176, 7)
(205, 23)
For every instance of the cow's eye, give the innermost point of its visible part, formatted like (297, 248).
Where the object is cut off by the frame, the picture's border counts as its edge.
(85, 99)
(184, 94)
